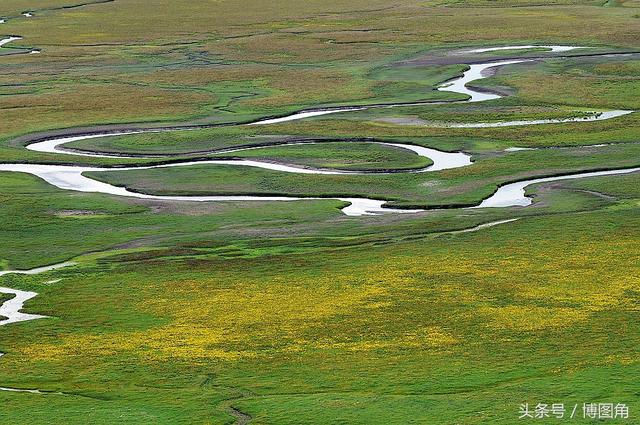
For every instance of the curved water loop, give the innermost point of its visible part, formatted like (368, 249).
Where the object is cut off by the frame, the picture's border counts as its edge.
(441, 160)
(552, 48)
(7, 40)
(513, 194)
(593, 116)
(476, 72)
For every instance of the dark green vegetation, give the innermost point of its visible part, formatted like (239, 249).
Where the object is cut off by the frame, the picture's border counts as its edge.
(292, 312)
(3, 298)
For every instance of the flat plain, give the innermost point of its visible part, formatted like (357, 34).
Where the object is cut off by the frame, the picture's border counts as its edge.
(268, 312)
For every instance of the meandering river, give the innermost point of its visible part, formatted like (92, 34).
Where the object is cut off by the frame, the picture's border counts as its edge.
(72, 178)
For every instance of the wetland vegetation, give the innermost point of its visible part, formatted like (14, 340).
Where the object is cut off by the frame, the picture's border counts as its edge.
(264, 312)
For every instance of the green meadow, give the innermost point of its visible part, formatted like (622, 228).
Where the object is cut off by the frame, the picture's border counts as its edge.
(258, 312)
(360, 322)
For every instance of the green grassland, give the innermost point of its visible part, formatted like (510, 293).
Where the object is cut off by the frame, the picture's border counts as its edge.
(602, 84)
(618, 186)
(183, 62)
(291, 312)
(4, 297)
(348, 156)
(435, 328)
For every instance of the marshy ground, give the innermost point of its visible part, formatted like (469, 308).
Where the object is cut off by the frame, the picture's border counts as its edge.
(292, 312)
